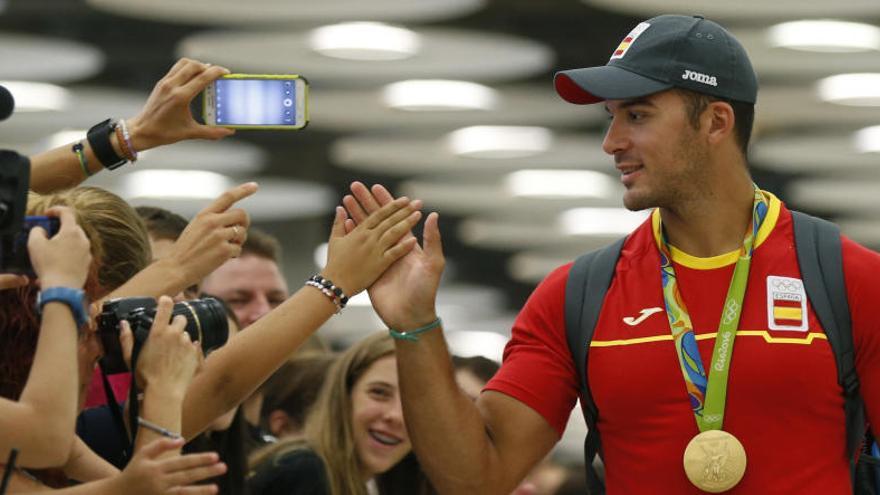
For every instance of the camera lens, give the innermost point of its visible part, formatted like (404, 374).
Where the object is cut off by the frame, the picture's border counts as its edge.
(205, 321)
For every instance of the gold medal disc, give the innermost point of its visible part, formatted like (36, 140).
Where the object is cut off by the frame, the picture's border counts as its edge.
(715, 461)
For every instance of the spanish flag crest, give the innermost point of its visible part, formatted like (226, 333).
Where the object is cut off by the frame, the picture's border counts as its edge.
(629, 40)
(786, 304)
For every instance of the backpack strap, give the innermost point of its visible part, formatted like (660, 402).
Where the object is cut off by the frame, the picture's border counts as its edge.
(821, 262)
(588, 281)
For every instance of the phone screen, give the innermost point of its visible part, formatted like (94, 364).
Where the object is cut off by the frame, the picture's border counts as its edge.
(255, 102)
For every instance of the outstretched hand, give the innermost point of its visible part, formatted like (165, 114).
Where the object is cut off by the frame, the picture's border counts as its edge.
(357, 257)
(150, 474)
(214, 235)
(404, 296)
(166, 117)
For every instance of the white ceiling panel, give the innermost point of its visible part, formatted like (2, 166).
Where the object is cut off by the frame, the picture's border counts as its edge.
(410, 156)
(742, 10)
(234, 12)
(37, 58)
(444, 54)
(516, 105)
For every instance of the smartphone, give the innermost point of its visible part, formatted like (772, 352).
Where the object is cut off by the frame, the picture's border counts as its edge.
(253, 101)
(14, 256)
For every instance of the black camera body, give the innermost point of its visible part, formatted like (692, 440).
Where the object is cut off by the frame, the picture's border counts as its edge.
(205, 322)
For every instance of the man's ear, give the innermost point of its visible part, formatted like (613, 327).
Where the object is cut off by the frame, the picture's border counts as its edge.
(720, 121)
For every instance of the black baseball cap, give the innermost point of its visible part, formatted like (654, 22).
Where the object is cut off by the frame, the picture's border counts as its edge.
(668, 51)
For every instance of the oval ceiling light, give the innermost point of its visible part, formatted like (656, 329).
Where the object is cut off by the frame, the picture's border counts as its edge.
(499, 142)
(825, 36)
(466, 343)
(601, 221)
(560, 184)
(174, 184)
(438, 94)
(859, 89)
(867, 140)
(364, 41)
(37, 96)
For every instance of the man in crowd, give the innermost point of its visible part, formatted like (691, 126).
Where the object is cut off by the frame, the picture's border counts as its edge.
(680, 93)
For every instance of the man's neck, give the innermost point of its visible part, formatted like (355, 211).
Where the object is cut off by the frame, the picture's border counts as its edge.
(714, 223)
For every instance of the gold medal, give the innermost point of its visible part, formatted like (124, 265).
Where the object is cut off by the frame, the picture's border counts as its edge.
(714, 461)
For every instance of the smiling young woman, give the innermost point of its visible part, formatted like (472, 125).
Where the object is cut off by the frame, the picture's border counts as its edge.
(354, 436)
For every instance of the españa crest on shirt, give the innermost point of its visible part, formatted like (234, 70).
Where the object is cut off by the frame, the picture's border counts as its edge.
(786, 304)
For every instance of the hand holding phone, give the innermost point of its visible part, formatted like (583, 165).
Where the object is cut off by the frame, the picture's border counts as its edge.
(251, 101)
(61, 252)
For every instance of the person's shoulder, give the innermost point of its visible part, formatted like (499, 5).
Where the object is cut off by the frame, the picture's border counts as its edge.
(303, 459)
(297, 471)
(860, 264)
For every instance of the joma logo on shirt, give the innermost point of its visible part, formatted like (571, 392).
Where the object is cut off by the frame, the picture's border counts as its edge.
(699, 77)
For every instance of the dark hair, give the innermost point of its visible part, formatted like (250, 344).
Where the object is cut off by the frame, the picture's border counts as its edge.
(295, 387)
(743, 114)
(230, 445)
(262, 244)
(482, 367)
(161, 223)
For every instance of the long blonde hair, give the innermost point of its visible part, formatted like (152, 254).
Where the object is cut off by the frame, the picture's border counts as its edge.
(120, 243)
(328, 430)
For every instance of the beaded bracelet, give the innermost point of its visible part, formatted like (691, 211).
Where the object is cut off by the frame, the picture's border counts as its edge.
(81, 156)
(158, 429)
(326, 283)
(413, 335)
(326, 292)
(124, 139)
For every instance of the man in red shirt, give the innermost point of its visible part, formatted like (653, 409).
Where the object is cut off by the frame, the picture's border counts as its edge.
(713, 267)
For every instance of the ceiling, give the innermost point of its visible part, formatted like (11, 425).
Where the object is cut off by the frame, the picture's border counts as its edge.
(502, 222)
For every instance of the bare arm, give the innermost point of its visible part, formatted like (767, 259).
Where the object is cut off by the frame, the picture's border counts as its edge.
(235, 370)
(85, 465)
(164, 370)
(466, 448)
(165, 119)
(41, 423)
(484, 448)
(149, 473)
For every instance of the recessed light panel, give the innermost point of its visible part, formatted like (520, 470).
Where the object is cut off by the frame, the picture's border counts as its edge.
(438, 94)
(364, 41)
(601, 221)
(860, 89)
(499, 142)
(825, 36)
(560, 184)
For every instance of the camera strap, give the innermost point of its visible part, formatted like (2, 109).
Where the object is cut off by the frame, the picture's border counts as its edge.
(116, 412)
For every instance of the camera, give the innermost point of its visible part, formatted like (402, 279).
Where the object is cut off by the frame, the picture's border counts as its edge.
(205, 322)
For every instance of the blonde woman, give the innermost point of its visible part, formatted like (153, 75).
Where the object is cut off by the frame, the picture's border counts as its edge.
(355, 435)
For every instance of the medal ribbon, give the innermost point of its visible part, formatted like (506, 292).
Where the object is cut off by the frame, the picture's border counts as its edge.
(707, 396)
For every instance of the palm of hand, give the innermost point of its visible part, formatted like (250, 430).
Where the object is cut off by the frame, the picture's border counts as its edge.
(408, 284)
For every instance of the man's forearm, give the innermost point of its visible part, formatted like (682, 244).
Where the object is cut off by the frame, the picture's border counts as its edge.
(447, 431)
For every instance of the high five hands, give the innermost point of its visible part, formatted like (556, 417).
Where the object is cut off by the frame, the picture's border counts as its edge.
(404, 295)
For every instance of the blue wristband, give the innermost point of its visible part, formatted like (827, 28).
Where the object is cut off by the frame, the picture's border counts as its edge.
(75, 299)
(413, 335)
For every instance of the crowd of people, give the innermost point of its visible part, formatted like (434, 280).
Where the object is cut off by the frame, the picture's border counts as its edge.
(222, 384)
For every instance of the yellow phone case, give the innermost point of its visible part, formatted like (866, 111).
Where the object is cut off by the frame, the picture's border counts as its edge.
(265, 127)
